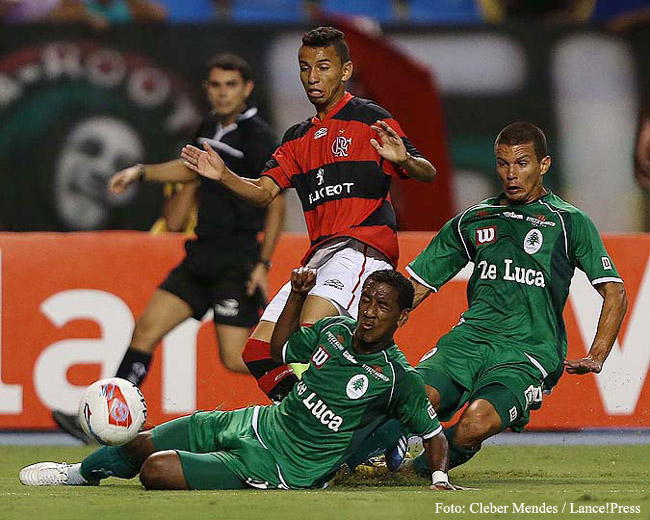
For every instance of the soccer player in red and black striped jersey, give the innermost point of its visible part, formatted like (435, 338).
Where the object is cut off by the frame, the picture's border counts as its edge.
(341, 162)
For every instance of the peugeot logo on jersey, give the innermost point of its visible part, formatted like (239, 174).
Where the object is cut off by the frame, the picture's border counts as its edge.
(320, 176)
(533, 241)
(357, 386)
(486, 235)
(340, 146)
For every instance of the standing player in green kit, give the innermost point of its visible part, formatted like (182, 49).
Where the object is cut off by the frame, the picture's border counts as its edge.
(357, 380)
(509, 347)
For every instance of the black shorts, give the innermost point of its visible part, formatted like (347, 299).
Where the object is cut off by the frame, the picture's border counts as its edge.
(224, 291)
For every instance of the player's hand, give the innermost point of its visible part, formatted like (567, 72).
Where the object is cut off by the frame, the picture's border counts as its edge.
(390, 145)
(123, 179)
(583, 365)
(446, 486)
(205, 162)
(257, 279)
(303, 280)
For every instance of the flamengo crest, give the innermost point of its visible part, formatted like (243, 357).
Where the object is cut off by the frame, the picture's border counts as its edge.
(340, 146)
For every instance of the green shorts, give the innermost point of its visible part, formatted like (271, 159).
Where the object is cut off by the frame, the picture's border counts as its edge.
(219, 450)
(465, 367)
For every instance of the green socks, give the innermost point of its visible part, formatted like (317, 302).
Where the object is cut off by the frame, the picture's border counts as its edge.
(108, 461)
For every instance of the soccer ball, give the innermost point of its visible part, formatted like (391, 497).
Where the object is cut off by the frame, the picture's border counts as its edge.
(112, 411)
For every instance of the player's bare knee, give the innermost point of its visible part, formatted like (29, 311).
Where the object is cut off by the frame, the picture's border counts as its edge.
(479, 421)
(155, 471)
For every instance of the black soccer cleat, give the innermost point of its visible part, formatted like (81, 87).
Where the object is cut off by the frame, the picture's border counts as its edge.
(69, 423)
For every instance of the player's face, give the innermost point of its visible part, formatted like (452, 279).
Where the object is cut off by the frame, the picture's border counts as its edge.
(379, 316)
(323, 75)
(227, 93)
(521, 172)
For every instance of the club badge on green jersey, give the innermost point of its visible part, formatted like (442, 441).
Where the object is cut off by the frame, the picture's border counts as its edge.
(357, 386)
(533, 241)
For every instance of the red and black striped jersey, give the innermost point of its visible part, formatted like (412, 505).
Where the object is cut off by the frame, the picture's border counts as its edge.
(341, 180)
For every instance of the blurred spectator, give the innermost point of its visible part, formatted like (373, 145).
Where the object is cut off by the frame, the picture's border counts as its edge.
(99, 14)
(104, 13)
(549, 10)
(24, 11)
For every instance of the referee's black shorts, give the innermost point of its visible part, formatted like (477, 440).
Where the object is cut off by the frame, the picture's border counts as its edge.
(224, 291)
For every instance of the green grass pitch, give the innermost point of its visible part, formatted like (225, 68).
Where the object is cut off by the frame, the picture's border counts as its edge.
(540, 478)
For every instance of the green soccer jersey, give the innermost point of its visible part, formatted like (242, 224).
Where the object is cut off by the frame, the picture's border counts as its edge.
(342, 398)
(524, 258)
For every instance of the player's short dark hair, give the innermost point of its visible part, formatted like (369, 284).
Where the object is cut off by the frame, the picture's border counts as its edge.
(229, 61)
(326, 36)
(398, 281)
(523, 132)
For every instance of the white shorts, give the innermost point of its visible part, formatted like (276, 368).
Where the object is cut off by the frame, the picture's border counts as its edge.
(339, 280)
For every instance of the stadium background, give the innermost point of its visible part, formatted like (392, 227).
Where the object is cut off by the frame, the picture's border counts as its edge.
(68, 299)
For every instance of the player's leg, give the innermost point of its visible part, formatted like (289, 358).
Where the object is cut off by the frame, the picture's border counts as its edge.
(107, 461)
(235, 314)
(231, 341)
(185, 470)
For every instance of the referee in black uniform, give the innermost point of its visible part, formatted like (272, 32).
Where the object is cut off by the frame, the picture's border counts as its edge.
(225, 267)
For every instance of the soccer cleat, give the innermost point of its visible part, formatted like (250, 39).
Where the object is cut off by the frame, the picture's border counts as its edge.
(396, 455)
(50, 474)
(69, 423)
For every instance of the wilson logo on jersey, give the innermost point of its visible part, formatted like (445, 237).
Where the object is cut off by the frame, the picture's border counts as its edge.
(321, 132)
(340, 146)
(357, 386)
(486, 235)
(320, 357)
(533, 241)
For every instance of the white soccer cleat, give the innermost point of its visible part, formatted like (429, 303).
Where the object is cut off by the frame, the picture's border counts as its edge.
(45, 474)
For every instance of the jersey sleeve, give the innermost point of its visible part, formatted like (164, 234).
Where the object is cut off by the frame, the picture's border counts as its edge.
(412, 408)
(302, 343)
(589, 252)
(282, 165)
(442, 259)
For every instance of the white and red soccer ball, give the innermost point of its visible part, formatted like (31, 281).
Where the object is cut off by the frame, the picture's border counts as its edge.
(112, 411)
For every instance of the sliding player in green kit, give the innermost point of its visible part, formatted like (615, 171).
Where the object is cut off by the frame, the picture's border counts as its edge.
(509, 347)
(357, 380)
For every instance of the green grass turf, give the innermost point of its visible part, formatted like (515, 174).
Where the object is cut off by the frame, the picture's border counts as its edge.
(503, 475)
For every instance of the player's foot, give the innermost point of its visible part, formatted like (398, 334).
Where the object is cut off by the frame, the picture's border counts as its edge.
(69, 423)
(396, 455)
(53, 474)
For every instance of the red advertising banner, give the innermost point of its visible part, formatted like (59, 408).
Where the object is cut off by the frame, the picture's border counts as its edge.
(69, 302)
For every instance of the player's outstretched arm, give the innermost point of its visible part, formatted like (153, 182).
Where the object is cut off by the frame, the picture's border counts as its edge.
(391, 147)
(171, 171)
(208, 163)
(609, 323)
(436, 451)
(303, 280)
